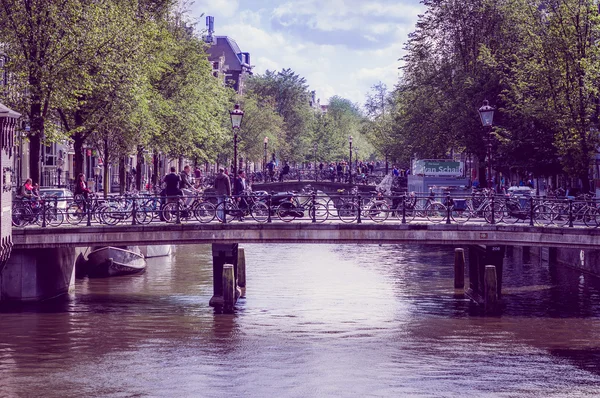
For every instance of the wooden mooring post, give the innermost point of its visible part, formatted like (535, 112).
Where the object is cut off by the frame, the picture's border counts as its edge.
(490, 289)
(223, 254)
(229, 288)
(459, 268)
(241, 271)
(485, 276)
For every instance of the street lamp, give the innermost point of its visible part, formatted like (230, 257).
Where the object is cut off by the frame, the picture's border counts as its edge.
(486, 112)
(236, 121)
(316, 173)
(350, 164)
(266, 141)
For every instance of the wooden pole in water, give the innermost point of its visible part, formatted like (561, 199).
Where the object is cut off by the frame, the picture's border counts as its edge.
(241, 271)
(459, 268)
(228, 288)
(490, 288)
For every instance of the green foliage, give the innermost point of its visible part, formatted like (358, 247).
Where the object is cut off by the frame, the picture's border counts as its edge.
(291, 99)
(118, 74)
(535, 60)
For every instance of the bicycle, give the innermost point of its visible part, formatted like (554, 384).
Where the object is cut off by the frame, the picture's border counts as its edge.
(32, 211)
(296, 207)
(254, 207)
(480, 204)
(177, 209)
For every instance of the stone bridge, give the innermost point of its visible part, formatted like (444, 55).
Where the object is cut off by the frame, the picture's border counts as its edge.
(306, 232)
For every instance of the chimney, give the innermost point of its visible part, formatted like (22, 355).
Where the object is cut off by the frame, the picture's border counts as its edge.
(210, 29)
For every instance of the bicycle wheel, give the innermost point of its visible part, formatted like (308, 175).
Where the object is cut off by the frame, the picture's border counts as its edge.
(286, 212)
(542, 214)
(144, 215)
(499, 210)
(109, 215)
(225, 210)
(378, 211)
(461, 215)
(169, 212)
(436, 212)
(54, 216)
(591, 217)
(348, 212)
(561, 214)
(204, 212)
(260, 212)
(19, 215)
(319, 211)
(74, 214)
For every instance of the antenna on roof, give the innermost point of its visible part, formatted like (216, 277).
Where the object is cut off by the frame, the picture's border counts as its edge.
(210, 29)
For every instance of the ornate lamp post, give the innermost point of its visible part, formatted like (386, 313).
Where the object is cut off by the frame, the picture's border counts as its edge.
(236, 121)
(486, 112)
(350, 163)
(266, 141)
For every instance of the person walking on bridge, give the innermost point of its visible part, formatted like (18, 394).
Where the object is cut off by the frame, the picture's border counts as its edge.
(223, 190)
(172, 181)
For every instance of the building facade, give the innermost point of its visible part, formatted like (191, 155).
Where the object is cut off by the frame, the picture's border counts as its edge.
(8, 124)
(228, 61)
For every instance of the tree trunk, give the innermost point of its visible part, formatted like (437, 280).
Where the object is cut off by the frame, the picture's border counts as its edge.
(34, 157)
(78, 141)
(138, 168)
(155, 176)
(585, 182)
(106, 167)
(122, 176)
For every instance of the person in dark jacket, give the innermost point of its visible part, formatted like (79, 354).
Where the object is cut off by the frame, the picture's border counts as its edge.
(172, 181)
(185, 182)
(239, 187)
(223, 190)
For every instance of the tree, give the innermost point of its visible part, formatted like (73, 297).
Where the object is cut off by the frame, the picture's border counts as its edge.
(291, 98)
(42, 39)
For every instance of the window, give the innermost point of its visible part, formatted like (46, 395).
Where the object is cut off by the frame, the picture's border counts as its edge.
(50, 155)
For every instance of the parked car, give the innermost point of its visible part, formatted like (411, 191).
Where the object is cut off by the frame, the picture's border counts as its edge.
(63, 195)
(520, 191)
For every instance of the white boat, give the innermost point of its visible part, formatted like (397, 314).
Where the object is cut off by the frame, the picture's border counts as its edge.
(112, 261)
(156, 251)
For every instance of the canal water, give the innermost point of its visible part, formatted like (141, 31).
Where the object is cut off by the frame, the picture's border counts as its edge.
(318, 321)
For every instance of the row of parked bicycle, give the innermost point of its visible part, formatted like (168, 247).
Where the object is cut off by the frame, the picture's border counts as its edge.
(311, 206)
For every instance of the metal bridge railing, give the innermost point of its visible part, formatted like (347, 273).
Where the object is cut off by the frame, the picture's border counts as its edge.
(313, 207)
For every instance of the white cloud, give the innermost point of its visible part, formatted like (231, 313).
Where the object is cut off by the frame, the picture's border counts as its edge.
(216, 8)
(328, 68)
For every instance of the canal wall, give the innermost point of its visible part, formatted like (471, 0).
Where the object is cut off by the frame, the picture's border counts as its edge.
(38, 274)
(581, 259)
(587, 260)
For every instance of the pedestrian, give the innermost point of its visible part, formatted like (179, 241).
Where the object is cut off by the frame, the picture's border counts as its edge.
(172, 181)
(239, 188)
(284, 171)
(81, 190)
(223, 191)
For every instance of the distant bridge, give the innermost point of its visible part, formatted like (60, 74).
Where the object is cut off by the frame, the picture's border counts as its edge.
(306, 232)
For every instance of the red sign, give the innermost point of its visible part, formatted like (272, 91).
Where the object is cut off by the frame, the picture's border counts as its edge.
(89, 152)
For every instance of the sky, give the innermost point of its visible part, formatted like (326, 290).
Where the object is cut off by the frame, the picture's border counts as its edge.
(341, 47)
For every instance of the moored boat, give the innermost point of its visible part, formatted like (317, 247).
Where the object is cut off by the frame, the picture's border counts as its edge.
(113, 261)
(156, 251)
